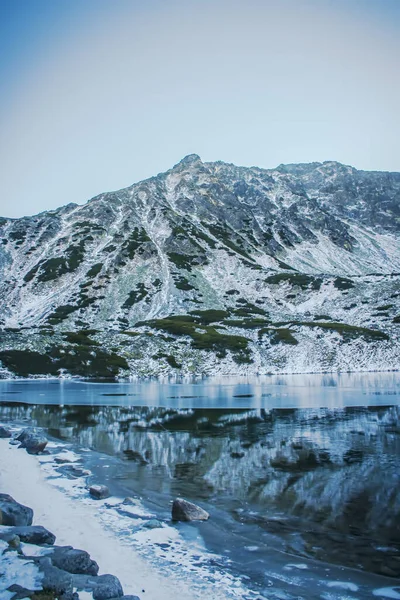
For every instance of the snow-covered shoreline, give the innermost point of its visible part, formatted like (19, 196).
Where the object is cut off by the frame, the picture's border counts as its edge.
(161, 378)
(74, 523)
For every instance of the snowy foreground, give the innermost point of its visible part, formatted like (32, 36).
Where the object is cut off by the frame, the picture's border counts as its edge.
(75, 524)
(81, 523)
(116, 537)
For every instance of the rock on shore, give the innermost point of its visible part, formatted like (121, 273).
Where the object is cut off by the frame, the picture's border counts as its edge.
(60, 571)
(182, 510)
(13, 513)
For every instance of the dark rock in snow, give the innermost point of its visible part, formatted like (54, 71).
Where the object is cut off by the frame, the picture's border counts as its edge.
(13, 513)
(26, 433)
(106, 587)
(237, 454)
(73, 561)
(4, 432)
(182, 510)
(33, 534)
(56, 580)
(33, 440)
(99, 492)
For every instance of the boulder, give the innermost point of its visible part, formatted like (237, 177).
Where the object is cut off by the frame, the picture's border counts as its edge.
(4, 432)
(13, 513)
(33, 440)
(99, 492)
(73, 561)
(26, 433)
(182, 510)
(106, 587)
(55, 580)
(33, 534)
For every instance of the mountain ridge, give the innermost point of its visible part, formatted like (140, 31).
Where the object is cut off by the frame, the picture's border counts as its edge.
(261, 246)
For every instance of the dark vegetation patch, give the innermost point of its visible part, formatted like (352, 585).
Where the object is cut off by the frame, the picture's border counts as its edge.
(284, 265)
(110, 248)
(171, 360)
(53, 268)
(134, 242)
(63, 311)
(278, 336)
(80, 360)
(343, 283)
(136, 296)
(226, 235)
(185, 261)
(322, 318)
(81, 337)
(94, 270)
(181, 283)
(196, 232)
(204, 337)
(349, 332)
(396, 319)
(88, 227)
(131, 333)
(18, 237)
(183, 233)
(350, 307)
(250, 323)
(296, 279)
(251, 265)
(384, 307)
(205, 317)
(282, 336)
(246, 309)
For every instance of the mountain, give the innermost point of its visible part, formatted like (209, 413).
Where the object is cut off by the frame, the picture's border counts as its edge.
(208, 268)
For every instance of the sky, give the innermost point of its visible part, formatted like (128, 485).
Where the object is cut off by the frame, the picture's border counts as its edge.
(98, 94)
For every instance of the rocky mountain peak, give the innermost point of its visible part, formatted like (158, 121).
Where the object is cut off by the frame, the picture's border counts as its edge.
(189, 160)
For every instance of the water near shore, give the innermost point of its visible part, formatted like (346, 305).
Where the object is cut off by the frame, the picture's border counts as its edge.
(301, 476)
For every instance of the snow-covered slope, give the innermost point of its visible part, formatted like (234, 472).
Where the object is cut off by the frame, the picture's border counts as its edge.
(291, 269)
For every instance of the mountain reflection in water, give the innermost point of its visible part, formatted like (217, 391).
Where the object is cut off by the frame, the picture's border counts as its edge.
(331, 474)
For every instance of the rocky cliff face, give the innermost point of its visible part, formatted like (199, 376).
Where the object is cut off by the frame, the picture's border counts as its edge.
(208, 267)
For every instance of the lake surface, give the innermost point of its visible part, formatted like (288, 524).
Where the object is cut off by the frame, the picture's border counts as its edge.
(299, 470)
(275, 391)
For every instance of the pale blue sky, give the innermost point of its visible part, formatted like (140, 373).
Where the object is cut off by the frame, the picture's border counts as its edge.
(98, 94)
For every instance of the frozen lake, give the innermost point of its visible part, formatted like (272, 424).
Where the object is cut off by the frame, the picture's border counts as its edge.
(301, 474)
